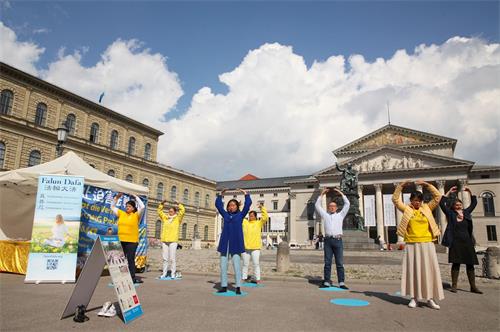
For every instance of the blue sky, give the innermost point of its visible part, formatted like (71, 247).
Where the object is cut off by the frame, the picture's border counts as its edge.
(207, 38)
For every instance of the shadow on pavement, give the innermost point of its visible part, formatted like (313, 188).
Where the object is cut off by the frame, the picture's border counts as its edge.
(385, 297)
(314, 280)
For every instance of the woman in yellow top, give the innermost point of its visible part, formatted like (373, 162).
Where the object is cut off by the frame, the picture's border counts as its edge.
(170, 235)
(421, 277)
(252, 228)
(128, 229)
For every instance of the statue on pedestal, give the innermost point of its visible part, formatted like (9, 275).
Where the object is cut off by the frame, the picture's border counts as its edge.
(349, 186)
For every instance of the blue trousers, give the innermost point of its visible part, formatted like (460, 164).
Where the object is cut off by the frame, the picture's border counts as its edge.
(334, 247)
(223, 269)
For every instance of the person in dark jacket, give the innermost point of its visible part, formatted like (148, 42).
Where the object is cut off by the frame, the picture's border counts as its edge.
(459, 239)
(231, 243)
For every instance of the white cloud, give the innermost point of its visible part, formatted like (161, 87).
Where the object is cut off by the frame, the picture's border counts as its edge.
(40, 31)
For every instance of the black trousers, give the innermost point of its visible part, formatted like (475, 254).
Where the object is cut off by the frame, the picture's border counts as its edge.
(129, 249)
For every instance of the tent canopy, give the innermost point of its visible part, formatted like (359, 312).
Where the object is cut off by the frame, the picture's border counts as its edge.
(18, 191)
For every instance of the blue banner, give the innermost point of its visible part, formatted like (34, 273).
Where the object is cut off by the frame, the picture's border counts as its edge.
(98, 219)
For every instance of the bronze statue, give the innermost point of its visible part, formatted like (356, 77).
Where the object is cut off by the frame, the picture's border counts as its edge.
(349, 181)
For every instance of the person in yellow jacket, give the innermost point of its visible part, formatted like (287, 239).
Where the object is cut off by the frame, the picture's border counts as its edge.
(252, 228)
(170, 235)
(421, 277)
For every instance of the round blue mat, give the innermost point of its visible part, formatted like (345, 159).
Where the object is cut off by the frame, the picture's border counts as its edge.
(230, 293)
(333, 289)
(252, 285)
(168, 278)
(350, 302)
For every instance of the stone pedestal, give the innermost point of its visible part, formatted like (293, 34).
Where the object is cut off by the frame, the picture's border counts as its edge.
(358, 240)
(196, 244)
(283, 257)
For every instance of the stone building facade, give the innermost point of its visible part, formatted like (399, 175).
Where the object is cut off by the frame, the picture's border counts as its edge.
(32, 109)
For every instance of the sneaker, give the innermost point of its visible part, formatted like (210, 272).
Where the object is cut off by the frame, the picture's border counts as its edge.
(326, 284)
(104, 308)
(238, 291)
(178, 275)
(343, 286)
(111, 312)
(162, 276)
(222, 290)
(412, 304)
(433, 304)
(138, 281)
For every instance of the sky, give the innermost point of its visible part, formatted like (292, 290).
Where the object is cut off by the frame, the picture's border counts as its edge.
(271, 88)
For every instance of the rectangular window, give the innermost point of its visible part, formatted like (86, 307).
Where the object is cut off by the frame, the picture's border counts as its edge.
(261, 195)
(491, 230)
(275, 194)
(275, 205)
(310, 210)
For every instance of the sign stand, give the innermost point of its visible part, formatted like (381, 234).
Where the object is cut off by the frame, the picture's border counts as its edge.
(106, 250)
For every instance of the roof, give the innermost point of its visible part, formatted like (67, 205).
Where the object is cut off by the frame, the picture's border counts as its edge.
(259, 183)
(249, 177)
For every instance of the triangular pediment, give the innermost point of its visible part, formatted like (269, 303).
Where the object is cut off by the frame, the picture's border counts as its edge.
(395, 136)
(387, 159)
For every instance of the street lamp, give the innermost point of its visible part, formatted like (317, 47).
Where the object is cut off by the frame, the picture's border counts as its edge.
(62, 135)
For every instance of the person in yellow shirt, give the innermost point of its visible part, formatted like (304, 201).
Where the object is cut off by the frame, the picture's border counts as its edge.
(170, 235)
(128, 229)
(421, 277)
(252, 228)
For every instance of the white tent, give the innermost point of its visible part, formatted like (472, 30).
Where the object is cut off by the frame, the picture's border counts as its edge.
(18, 191)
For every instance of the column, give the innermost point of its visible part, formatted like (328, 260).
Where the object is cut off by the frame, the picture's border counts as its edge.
(361, 204)
(292, 237)
(27, 97)
(399, 216)
(379, 211)
(442, 216)
(464, 194)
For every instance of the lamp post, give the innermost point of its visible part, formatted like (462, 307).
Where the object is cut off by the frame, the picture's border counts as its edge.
(62, 135)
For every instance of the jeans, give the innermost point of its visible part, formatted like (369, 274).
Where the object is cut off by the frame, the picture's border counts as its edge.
(255, 255)
(334, 247)
(223, 269)
(129, 249)
(168, 252)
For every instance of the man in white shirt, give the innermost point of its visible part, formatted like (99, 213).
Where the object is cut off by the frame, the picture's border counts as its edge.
(333, 246)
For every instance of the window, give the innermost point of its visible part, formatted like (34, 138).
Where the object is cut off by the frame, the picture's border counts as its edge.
(197, 198)
(205, 233)
(131, 145)
(41, 114)
(113, 141)
(147, 151)
(275, 205)
(94, 133)
(488, 204)
(173, 193)
(491, 231)
(2, 154)
(261, 195)
(129, 178)
(111, 173)
(235, 196)
(275, 194)
(195, 232)
(310, 186)
(184, 231)
(310, 210)
(35, 158)
(185, 197)
(6, 99)
(159, 191)
(145, 183)
(207, 200)
(71, 123)
(158, 229)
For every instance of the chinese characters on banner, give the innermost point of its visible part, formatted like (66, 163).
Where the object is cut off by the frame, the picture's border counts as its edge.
(389, 211)
(369, 207)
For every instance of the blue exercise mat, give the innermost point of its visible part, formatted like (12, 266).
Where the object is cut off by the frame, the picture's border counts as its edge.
(230, 293)
(168, 278)
(252, 285)
(333, 289)
(350, 302)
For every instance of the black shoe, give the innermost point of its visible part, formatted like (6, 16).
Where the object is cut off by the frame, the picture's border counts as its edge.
(222, 290)
(80, 316)
(343, 287)
(238, 291)
(138, 281)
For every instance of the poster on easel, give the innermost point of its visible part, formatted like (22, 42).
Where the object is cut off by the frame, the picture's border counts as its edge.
(56, 225)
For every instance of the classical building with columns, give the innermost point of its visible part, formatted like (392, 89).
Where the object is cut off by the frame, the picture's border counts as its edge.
(383, 159)
(32, 109)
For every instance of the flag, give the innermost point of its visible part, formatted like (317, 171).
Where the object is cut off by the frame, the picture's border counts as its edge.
(100, 97)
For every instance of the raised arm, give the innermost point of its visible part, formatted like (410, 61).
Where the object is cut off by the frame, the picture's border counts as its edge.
(396, 197)
(113, 204)
(265, 217)
(338, 168)
(347, 204)
(436, 195)
(182, 210)
(473, 201)
(140, 205)
(219, 204)
(444, 202)
(247, 204)
(161, 214)
(319, 208)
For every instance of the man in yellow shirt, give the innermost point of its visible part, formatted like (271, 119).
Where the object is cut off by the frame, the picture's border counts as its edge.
(252, 228)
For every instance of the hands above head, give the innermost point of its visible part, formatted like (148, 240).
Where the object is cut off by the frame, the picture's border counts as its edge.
(260, 205)
(242, 191)
(163, 202)
(421, 182)
(452, 190)
(467, 189)
(338, 191)
(324, 191)
(223, 191)
(118, 196)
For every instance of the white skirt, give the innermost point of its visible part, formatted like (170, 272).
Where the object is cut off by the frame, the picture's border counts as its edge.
(421, 277)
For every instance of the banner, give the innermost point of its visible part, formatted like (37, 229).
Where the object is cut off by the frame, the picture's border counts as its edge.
(120, 275)
(369, 207)
(98, 219)
(54, 240)
(389, 212)
(278, 221)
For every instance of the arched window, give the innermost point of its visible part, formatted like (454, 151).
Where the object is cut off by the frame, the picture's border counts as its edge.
(207, 200)
(145, 183)
(185, 197)
(129, 178)
(184, 231)
(94, 133)
(205, 233)
(195, 232)
(159, 191)
(113, 141)
(197, 198)
(173, 193)
(111, 173)
(147, 151)
(6, 99)
(488, 204)
(131, 145)
(35, 158)
(2, 154)
(158, 229)
(71, 123)
(41, 114)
